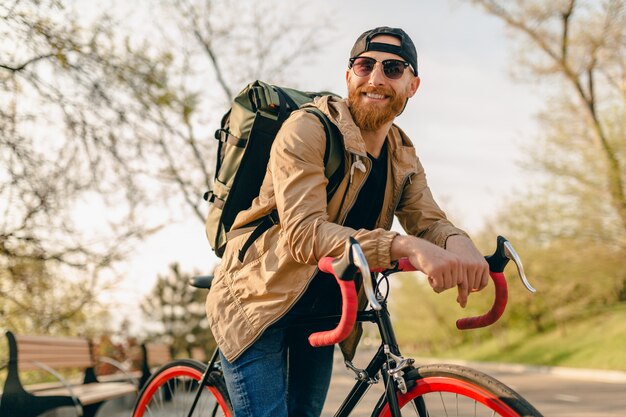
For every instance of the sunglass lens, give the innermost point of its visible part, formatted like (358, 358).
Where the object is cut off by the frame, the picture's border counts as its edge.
(393, 68)
(363, 66)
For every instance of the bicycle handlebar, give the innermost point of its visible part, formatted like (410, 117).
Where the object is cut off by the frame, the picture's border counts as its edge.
(503, 254)
(345, 268)
(496, 310)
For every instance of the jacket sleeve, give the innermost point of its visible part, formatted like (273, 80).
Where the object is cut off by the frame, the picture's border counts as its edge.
(420, 215)
(297, 169)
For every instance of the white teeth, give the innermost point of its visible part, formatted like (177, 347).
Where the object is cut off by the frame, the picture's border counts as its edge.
(375, 96)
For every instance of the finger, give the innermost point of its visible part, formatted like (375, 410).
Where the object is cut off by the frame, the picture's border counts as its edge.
(434, 283)
(474, 279)
(484, 277)
(463, 293)
(446, 279)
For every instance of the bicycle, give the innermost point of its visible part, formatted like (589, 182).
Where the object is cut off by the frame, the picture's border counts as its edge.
(191, 388)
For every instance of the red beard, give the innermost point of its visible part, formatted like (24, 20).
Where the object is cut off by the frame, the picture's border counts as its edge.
(372, 117)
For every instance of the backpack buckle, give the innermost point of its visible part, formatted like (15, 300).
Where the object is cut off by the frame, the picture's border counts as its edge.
(212, 198)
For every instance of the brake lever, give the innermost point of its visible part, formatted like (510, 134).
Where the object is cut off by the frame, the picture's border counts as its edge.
(510, 253)
(360, 262)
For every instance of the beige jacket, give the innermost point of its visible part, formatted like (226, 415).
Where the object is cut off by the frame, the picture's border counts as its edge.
(247, 297)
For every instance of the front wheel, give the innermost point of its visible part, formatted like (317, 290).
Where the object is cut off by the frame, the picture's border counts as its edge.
(171, 390)
(451, 390)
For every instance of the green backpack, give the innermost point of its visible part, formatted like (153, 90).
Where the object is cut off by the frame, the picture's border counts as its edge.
(245, 138)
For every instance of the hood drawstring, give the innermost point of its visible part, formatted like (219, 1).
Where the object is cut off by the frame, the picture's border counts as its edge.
(357, 164)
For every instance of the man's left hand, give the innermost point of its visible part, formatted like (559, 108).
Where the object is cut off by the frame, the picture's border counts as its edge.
(474, 274)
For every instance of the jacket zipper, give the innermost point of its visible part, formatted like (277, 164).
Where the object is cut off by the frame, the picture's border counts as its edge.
(361, 167)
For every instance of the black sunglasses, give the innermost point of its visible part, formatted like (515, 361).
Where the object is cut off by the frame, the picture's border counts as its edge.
(392, 68)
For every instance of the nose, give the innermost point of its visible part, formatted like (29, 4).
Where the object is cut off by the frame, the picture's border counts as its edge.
(377, 76)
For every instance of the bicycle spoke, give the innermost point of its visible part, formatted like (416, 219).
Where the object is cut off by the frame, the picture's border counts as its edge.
(444, 404)
(149, 411)
(160, 398)
(215, 407)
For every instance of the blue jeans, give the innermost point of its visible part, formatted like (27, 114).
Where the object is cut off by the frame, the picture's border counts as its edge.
(281, 374)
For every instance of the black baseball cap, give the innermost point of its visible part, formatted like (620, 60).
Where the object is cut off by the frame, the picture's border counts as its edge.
(406, 49)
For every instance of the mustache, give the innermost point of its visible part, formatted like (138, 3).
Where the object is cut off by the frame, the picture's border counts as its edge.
(385, 91)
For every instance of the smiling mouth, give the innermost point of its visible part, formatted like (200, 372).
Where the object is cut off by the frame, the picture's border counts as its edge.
(375, 96)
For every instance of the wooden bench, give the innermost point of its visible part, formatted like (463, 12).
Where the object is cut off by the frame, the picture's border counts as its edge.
(51, 354)
(153, 356)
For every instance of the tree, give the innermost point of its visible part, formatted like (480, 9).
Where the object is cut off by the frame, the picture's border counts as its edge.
(103, 127)
(177, 310)
(36, 301)
(571, 224)
(65, 145)
(65, 135)
(219, 47)
(579, 48)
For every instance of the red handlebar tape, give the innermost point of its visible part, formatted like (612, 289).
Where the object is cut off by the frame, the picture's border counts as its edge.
(349, 303)
(499, 304)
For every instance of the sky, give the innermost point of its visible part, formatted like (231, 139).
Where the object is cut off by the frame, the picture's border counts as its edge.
(469, 121)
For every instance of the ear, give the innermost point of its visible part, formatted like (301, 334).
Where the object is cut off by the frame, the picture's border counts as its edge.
(415, 83)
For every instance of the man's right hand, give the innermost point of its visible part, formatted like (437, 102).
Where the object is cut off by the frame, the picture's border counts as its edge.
(443, 268)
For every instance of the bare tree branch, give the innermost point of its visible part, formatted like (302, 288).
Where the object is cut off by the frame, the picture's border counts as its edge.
(23, 66)
(614, 173)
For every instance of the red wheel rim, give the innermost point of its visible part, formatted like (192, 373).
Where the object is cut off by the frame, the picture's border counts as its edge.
(455, 386)
(173, 372)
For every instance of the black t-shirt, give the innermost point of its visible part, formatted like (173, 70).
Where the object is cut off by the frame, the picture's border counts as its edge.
(323, 296)
(366, 209)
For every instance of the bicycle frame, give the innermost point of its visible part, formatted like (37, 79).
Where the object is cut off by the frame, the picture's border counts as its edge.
(380, 363)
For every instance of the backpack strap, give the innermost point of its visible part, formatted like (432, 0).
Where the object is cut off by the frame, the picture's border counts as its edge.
(264, 225)
(333, 162)
(333, 155)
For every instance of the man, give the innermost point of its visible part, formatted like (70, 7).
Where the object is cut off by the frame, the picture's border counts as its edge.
(270, 369)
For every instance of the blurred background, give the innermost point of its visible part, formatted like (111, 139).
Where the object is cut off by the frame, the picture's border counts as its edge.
(107, 114)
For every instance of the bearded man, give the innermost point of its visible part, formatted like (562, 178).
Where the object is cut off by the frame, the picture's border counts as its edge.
(269, 367)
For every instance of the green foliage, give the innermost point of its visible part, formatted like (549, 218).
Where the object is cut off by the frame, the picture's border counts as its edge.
(34, 300)
(423, 320)
(178, 311)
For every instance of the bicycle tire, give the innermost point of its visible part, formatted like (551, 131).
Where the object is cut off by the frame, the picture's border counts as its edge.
(470, 392)
(171, 389)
